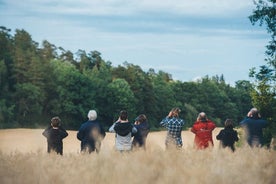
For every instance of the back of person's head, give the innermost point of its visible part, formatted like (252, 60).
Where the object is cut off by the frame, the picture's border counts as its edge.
(141, 118)
(254, 113)
(92, 115)
(228, 123)
(55, 121)
(202, 117)
(175, 112)
(123, 115)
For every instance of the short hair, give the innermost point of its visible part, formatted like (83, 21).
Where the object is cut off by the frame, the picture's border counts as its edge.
(55, 121)
(123, 115)
(202, 117)
(229, 123)
(92, 115)
(254, 112)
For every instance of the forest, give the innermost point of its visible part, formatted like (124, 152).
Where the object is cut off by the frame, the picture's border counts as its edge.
(42, 81)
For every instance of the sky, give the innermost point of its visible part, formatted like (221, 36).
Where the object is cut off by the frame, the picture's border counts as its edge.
(188, 39)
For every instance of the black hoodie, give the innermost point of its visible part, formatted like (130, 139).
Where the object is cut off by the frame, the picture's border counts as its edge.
(123, 128)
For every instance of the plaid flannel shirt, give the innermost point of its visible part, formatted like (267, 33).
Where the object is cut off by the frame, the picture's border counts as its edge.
(174, 127)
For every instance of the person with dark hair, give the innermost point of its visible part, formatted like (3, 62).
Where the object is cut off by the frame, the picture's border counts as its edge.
(253, 125)
(174, 126)
(203, 128)
(55, 134)
(142, 126)
(124, 131)
(91, 134)
(228, 136)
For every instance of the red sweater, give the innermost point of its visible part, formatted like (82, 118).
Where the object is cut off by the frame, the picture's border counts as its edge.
(203, 133)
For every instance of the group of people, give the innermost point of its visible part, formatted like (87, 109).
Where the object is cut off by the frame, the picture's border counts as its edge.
(128, 135)
(91, 133)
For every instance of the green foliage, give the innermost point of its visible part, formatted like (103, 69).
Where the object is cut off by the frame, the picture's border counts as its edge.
(265, 13)
(122, 99)
(265, 79)
(39, 83)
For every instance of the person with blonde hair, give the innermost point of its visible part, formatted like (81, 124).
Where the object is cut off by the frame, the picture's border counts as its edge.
(174, 126)
(91, 133)
(228, 136)
(203, 128)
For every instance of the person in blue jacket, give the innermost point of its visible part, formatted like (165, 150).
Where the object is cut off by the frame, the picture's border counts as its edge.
(142, 126)
(253, 125)
(91, 133)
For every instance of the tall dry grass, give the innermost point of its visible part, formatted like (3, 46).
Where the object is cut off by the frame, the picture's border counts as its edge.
(155, 165)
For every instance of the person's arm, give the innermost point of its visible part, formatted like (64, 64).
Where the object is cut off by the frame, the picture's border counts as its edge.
(219, 136)
(164, 122)
(213, 125)
(102, 131)
(111, 129)
(194, 129)
(134, 130)
(46, 131)
(236, 136)
(80, 134)
(63, 132)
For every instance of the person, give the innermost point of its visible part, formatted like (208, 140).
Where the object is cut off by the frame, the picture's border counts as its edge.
(253, 125)
(203, 128)
(124, 131)
(55, 133)
(91, 133)
(174, 126)
(228, 136)
(142, 126)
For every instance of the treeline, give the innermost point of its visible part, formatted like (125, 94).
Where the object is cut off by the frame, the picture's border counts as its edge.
(39, 82)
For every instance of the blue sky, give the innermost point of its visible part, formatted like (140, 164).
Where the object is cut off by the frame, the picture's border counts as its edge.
(186, 38)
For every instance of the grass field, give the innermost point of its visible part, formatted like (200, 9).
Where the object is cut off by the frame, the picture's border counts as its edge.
(23, 159)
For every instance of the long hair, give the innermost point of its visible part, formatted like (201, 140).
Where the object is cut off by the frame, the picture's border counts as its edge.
(175, 112)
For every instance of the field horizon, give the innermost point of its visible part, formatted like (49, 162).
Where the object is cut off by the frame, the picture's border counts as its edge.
(24, 160)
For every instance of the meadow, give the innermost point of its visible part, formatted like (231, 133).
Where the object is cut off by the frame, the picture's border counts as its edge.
(23, 160)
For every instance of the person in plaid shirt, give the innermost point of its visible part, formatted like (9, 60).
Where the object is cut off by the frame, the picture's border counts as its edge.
(174, 126)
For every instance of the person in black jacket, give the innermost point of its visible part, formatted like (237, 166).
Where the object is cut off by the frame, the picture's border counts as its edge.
(91, 133)
(55, 134)
(228, 136)
(142, 126)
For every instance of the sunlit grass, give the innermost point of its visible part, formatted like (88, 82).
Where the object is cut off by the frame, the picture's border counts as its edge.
(155, 165)
(246, 165)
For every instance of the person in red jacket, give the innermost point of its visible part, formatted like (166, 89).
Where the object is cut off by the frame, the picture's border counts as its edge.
(202, 129)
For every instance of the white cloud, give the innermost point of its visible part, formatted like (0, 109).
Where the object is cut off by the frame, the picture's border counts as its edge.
(126, 7)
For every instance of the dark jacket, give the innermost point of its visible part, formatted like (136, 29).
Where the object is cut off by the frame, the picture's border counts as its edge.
(228, 136)
(141, 135)
(54, 139)
(91, 134)
(123, 128)
(254, 129)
